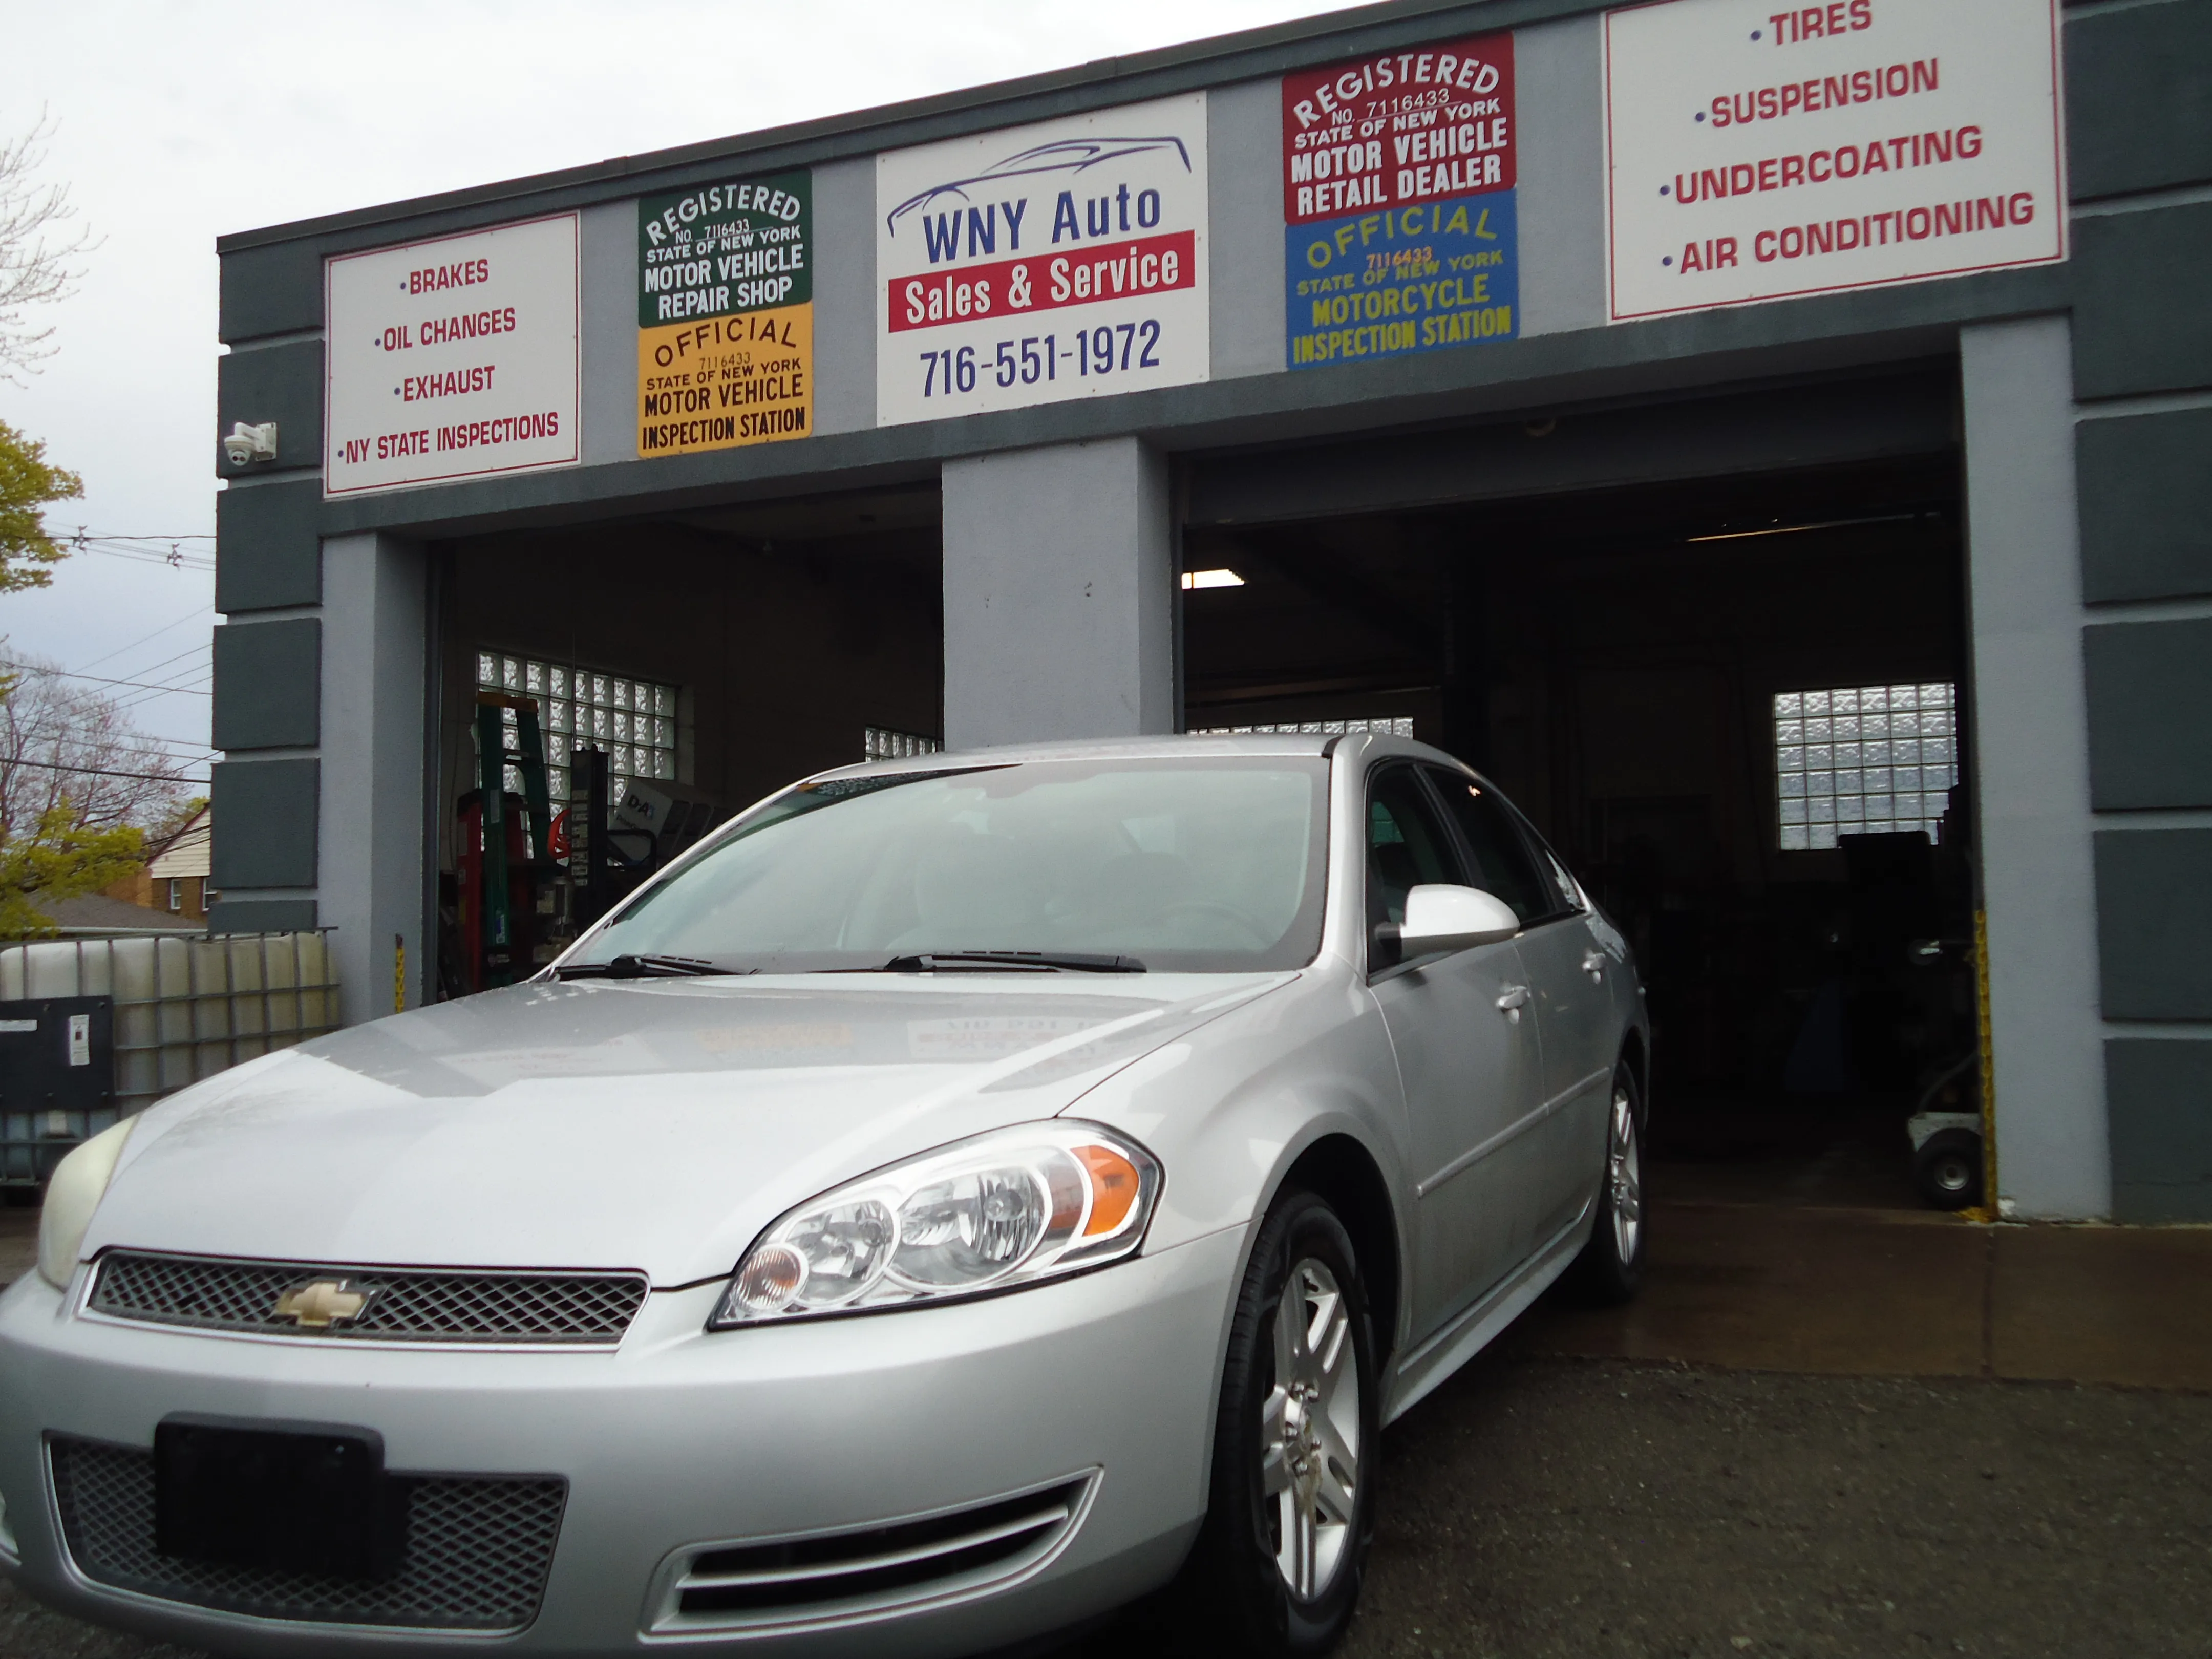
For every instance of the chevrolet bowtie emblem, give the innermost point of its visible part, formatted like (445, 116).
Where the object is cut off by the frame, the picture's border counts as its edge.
(319, 1306)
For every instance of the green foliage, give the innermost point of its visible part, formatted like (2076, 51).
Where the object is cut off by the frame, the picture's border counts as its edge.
(27, 485)
(174, 820)
(60, 859)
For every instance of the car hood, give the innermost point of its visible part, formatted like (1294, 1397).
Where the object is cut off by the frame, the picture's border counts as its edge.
(644, 1124)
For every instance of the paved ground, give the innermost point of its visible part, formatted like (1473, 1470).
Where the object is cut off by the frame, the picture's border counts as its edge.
(1821, 1432)
(1563, 1509)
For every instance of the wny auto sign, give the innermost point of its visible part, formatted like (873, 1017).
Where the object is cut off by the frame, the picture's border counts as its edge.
(1042, 263)
(1758, 153)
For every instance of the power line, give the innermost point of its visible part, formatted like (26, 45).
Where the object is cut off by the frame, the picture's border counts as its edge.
(173, 560)
(197, 610)
(63, 673)
(148, 749)
(127, 701)
(98, 772)
(190, 651)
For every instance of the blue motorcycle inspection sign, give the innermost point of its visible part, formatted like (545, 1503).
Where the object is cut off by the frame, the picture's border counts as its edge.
(1404, 279)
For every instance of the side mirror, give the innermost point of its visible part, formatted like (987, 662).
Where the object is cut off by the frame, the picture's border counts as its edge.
(1446, 918)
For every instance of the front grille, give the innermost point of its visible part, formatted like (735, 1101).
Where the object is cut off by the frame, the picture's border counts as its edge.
(405, 1304)
(871, 1569)
(478, 1548)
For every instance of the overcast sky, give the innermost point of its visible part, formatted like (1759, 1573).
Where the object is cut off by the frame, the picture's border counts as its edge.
(178, 123)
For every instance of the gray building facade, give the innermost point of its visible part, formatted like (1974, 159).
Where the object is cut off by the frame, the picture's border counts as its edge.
(1016, 573)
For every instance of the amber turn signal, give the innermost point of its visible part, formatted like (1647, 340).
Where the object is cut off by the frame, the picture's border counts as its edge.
(1113, 1188)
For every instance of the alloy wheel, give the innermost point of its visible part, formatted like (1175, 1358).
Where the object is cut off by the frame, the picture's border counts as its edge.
(1310, 1436)
(1625, 1167)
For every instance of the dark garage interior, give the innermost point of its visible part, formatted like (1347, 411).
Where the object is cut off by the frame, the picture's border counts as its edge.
(1730, 703)
(712, 655)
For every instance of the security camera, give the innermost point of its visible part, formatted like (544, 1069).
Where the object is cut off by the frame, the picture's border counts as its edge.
(248, 444)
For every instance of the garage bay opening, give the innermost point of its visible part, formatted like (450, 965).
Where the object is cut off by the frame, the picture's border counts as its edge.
(646, 679)
(1716, 653)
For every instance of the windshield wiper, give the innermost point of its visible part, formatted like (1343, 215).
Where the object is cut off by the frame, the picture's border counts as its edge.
(1035, 961)
(628, 967)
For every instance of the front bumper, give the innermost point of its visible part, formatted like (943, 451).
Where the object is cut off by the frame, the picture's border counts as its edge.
(679, 1438)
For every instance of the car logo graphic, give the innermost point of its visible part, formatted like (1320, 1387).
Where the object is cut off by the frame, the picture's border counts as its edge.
(319, 1305)
(1065, 155)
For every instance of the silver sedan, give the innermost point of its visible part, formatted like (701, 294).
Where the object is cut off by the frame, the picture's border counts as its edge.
(960, 1197)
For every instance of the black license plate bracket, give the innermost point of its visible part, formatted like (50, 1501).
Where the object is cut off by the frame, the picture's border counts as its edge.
(306, 1497)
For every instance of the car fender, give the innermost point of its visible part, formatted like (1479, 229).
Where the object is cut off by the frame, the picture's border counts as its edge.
(1229, 1110)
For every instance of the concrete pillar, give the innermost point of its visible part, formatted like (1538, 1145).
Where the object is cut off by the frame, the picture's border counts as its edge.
(1059, 595)
(375, 669)
(2031, 741)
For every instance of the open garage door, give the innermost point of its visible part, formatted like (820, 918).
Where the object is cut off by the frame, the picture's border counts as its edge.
(1732, 703)
(664, 673)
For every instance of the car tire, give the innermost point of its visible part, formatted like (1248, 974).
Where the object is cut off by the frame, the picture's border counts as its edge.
(1610, 1269)
(1292, 1457)
(1947, 1169)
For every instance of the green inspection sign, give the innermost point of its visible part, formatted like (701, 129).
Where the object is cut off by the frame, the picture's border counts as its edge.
(726, 315)
(717, 249)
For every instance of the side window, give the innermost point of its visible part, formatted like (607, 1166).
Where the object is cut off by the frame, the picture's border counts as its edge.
(1502, 864)
(1407, 844)
(1570, 896)
(1554, 867)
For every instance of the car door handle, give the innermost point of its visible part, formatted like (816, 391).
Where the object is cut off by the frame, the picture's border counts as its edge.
(1511, 999)
(1594, 965)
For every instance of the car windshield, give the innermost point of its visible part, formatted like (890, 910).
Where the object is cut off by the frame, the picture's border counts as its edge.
(1204, 865)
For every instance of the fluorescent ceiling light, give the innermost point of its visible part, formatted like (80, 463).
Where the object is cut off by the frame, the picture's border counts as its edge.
(1798, 529)
(1212, 578)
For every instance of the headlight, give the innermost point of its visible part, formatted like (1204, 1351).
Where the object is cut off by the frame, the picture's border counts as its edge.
(1005, 1209)
(73, 1193)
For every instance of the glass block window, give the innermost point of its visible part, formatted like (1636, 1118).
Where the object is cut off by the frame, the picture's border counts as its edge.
(881, 743)
(1863, 760)
(1399, 726)
(633, 719)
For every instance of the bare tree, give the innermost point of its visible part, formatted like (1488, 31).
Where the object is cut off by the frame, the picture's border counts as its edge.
(39, 249)
(61, 743)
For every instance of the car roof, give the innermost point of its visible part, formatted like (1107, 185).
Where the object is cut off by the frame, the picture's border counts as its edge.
(1163, 746)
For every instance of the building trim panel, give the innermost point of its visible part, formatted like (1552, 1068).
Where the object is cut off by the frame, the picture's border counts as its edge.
(2139, 98)
(280, 383)
(2160, 1090)
(266, 822)
(267, 684)
(265, 556)
(2141, 323)
(2146, 506)
(2150, 714)
(2154, 914)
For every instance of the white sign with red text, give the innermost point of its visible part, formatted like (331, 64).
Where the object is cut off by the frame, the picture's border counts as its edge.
(1062, 260)
(1759, 152)
(452, 359)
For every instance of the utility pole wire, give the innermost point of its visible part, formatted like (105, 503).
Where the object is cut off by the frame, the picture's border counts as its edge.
(100, 772)
(63, 673)
(197, 611)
